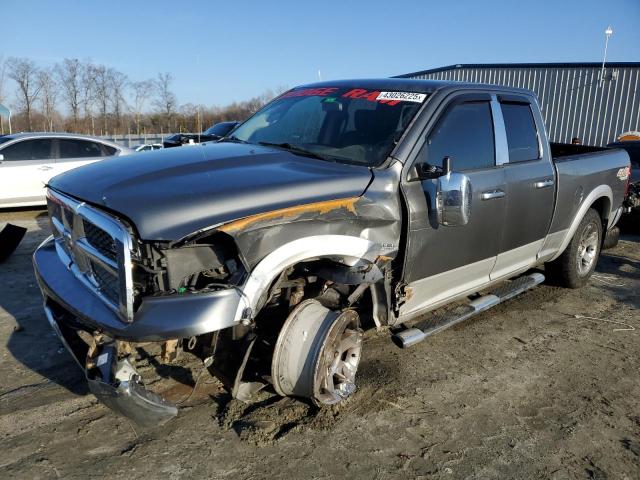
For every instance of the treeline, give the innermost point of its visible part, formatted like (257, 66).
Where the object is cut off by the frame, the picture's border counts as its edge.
(84, 97)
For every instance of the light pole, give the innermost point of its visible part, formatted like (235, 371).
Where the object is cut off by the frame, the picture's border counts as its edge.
(607, 33)
(198, 124)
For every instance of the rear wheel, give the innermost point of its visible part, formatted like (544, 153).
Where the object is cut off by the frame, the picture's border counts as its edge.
(576, 264)
(317, 354)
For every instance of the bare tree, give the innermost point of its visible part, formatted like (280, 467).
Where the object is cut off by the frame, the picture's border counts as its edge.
(102, 89)
(166, 100)
(3, 75)
(48, 96)
(25, 73)
(141, 93)
(188, 117)
(88, 92)
(69, 75)
(3, 94)
(118, 82)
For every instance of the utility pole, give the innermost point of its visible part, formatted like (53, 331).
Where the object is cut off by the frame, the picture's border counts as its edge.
(198, 125)
(607, 33)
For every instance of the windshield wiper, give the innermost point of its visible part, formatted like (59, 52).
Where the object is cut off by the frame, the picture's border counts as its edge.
(294, 149)
(233, 139)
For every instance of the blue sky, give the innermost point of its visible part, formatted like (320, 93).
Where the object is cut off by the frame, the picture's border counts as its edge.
(219, 52)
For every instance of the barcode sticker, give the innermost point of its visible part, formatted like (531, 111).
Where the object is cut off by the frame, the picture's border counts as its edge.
(402, 96)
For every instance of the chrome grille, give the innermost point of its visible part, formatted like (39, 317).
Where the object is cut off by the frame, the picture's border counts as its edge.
(97, 248)
(67, 217)
(108, 283)
(100, 240)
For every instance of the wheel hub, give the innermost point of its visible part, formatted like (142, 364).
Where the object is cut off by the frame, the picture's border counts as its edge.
(587, 249)
(339, 365)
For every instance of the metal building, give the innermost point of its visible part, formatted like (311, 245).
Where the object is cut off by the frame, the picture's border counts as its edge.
(576, 99)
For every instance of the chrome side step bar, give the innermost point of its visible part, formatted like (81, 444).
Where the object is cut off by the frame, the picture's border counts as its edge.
(438, 323)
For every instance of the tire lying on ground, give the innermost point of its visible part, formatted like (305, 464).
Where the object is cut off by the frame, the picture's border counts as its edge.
(576, 264)
(611, 238)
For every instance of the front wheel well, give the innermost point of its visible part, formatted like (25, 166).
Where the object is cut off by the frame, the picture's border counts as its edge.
(334, 284)
(245, 354)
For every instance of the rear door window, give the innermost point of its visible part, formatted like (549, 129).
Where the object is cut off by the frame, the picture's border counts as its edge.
(72, 148)
(35, 149)
(465, 135)
(522, 135)
(108, 150)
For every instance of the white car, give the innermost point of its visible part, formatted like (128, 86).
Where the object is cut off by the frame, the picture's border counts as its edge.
(148, 147)
(29, 160)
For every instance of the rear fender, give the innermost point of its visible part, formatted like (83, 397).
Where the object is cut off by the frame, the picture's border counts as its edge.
(603, 195)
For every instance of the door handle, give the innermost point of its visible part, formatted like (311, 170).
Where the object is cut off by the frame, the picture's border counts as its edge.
(544, 183)
(492, 194)
(45, 167)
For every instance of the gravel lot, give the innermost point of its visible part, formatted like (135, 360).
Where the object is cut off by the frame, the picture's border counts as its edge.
(526, 390)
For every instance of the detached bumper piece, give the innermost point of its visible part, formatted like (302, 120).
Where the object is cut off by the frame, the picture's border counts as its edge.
(118, 385)
(114, 382)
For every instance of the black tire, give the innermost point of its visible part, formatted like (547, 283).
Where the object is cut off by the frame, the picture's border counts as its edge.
(611, 238)
(576, 264)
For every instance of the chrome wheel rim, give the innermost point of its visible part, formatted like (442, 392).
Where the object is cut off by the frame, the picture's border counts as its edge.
(587, 249)
(338, 362)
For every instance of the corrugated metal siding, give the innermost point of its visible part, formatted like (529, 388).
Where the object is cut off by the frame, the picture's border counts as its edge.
(573, 100)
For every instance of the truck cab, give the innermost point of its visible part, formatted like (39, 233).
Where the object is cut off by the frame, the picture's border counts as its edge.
(495, 140)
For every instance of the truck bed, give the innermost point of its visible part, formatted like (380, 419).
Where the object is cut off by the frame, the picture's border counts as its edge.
(559, 150)
(580, 169)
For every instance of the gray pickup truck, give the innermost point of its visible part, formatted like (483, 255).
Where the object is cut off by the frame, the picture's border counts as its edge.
(337, 206)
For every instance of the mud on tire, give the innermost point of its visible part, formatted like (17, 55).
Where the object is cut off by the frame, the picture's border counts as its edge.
(611, 238)
(573, 268)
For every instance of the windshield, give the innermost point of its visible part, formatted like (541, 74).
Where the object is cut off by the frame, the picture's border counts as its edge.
(353, 125)
(5, 138)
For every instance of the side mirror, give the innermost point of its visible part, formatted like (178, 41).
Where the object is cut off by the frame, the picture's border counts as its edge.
(426, 171)
(453, 199)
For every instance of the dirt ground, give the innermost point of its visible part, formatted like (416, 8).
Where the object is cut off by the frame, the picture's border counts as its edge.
(529, 389)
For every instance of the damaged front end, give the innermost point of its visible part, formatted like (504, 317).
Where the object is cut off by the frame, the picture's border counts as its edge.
(189, 295)
(222, 293)
(105, 290)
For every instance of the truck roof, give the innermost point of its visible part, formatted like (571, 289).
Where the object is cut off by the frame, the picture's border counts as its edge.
(410, 85)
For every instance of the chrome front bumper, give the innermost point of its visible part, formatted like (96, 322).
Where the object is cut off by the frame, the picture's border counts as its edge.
(71, 308)
(157, 319)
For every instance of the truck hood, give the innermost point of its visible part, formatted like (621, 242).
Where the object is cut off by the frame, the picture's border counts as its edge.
(169, 194)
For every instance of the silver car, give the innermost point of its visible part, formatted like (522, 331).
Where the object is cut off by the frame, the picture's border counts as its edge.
(29, 160)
